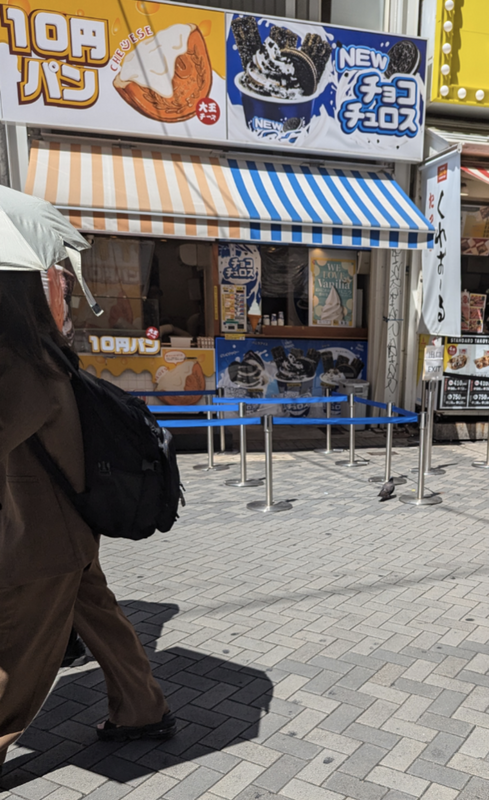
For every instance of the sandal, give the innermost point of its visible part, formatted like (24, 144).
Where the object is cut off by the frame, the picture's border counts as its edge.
(165, 729)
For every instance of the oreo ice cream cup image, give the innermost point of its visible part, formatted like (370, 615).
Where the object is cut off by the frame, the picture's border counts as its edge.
(271, 117)
(295, 386)
(280, 80)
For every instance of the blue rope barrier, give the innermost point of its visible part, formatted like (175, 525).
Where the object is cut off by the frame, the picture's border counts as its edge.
(285, 401)
(189, 409)
(344, 420)
(372, 403)
(211, 423)
(402, 411)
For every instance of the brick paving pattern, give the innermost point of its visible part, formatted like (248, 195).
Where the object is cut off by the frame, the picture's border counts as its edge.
(339, 651)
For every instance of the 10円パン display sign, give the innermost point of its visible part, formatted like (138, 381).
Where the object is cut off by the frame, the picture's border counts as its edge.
(192, 73)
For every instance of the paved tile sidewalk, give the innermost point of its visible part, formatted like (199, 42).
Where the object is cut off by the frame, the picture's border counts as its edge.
(339, 651)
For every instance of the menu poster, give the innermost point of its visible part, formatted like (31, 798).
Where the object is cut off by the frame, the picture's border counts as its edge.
(332, 284)
(464, 393)
(478, 394)
(233, 309)
(466, 369)
(467, 355)
(455, 393)
(240, 264)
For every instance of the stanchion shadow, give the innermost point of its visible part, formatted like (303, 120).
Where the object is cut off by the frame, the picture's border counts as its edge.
(216, 702)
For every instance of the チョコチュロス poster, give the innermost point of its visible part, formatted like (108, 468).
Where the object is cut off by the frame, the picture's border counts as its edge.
(308, 86)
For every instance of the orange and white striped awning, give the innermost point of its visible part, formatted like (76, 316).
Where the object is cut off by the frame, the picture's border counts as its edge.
(173, 193)
(479, 174)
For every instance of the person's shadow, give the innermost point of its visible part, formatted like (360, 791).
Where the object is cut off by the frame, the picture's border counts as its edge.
(217, 702)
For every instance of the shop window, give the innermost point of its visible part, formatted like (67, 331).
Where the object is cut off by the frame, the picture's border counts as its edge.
(180, 288)
(275, 8)
(367, 14)
(141, 283)
(475, 269)
(117, 271)
(285, 283)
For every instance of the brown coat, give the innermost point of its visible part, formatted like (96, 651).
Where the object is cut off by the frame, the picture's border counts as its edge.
(41, 535)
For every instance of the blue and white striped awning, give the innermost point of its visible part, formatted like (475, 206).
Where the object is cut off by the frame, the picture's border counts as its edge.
(177, 193)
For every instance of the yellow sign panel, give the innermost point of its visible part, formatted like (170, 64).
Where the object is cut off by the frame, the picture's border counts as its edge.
(134, 67)
(460, 74)
(173, 370)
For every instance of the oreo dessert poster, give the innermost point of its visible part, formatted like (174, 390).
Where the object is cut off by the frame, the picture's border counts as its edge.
(287, 368)
(120, 66)
(303, 86)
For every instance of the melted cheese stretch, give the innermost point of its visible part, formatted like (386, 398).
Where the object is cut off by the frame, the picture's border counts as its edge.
(152, 63)
(174, 380)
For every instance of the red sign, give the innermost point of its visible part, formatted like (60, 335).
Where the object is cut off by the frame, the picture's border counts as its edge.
(152, 333)
(442, 172)
(208, 111)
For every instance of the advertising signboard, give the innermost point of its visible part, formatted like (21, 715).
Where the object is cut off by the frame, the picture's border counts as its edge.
(332, 284)
(191, 73)
(285, 368)
(441, 315)
(466, 373)
(170, 369)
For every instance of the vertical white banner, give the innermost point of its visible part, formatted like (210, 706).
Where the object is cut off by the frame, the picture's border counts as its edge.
(441, 311)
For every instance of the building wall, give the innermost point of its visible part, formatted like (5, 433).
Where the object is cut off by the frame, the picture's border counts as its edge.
(4, 181)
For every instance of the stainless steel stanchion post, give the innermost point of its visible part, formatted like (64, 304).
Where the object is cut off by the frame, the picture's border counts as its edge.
(430, 412)
(398, 480)
(352, 462)
(329, 449)
(483, 464)
(269, 505)
(210, 452)
(243, 480)
(419, 499)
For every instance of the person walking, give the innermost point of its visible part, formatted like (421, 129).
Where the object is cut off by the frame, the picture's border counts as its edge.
(50, 574)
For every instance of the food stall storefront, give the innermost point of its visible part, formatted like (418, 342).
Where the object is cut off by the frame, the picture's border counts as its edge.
(454, 182)
(240, 222)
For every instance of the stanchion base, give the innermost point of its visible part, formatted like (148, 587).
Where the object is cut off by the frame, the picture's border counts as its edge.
(207, 468)
(432, 471)
(239, 483)
(398, 481)
(351, 463)
(333, 452)
(481, 464)
(258, 505)
(412, 500)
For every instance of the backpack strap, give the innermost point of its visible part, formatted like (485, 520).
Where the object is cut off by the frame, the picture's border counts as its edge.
(52, 468)
(34, 442)
(58, 355)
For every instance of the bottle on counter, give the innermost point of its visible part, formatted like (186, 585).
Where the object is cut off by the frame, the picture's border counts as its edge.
(265, 319)
(281, 319)
(274, 319)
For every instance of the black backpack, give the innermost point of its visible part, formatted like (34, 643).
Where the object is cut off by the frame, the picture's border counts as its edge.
(131, 473)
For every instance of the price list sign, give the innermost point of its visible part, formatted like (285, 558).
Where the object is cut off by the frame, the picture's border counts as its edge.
(455, 393)
(479, 394)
